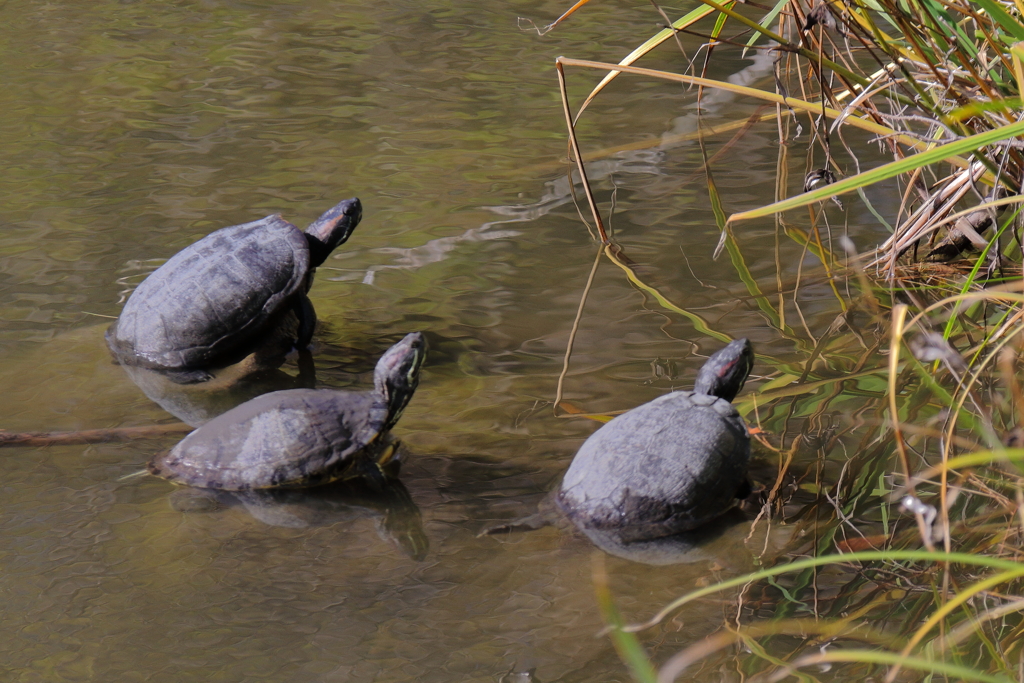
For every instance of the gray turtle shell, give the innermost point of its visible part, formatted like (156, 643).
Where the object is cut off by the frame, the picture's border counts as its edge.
(212, 296)
(296, 437)
(665, 467)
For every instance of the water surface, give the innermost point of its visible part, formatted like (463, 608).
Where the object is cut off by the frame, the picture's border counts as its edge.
(131, 129)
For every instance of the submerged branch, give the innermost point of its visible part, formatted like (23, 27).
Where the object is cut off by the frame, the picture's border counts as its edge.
(90, 435)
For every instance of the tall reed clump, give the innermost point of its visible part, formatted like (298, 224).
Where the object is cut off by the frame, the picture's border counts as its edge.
(930, 375)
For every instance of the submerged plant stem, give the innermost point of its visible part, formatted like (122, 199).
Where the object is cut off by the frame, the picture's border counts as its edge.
(899, 315)
(575, 328)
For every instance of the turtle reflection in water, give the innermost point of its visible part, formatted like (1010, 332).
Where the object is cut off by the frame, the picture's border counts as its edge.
(301, 437)
(396, 517)
(208, 301)
(667, 467)
(195, 404)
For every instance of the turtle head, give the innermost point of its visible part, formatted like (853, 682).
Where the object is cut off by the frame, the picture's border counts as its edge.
(725, 372)
(332, 229)
(398, 373)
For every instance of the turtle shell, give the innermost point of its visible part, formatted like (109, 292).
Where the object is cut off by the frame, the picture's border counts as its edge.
(296, 437)
(212, 296)
(665, 467)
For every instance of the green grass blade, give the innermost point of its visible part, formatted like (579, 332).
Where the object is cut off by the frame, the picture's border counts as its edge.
(952, 671)
(1011, 25)
(982, 259)
(699, 324)
(769, 393)
(974, 460)
(890, 170)
(873, 4)
(767, 21)
(947, 399)
(736, 256)
(626, 644)
(717, 31)
(687, 20)
(758, 650)
(799, 565)
(874, 211)
(1009, 105)
(804, 52)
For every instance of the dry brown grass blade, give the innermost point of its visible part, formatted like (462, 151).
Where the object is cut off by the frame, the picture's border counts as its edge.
(559, 20)
(814, 108)
(846, 627)
(931, 212)
(577, 153)
(899, 317)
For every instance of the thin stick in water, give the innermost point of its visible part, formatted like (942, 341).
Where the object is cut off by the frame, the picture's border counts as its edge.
(90, 435)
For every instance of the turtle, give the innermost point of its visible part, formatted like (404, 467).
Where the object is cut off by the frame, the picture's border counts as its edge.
(211, 298)
(668, 466)
(301, 437)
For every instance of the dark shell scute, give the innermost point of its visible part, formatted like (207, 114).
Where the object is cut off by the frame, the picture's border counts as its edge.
(212, 295)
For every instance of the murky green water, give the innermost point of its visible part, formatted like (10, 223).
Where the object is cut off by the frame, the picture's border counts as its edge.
(130, 129)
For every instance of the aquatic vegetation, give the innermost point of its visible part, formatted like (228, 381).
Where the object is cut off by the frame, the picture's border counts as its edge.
(895, 434)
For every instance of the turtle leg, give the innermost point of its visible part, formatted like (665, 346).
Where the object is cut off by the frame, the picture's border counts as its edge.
(371, 473)
(307, 321)
(377, 465)
(389, 461)
(195, 376)
(306, 378)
